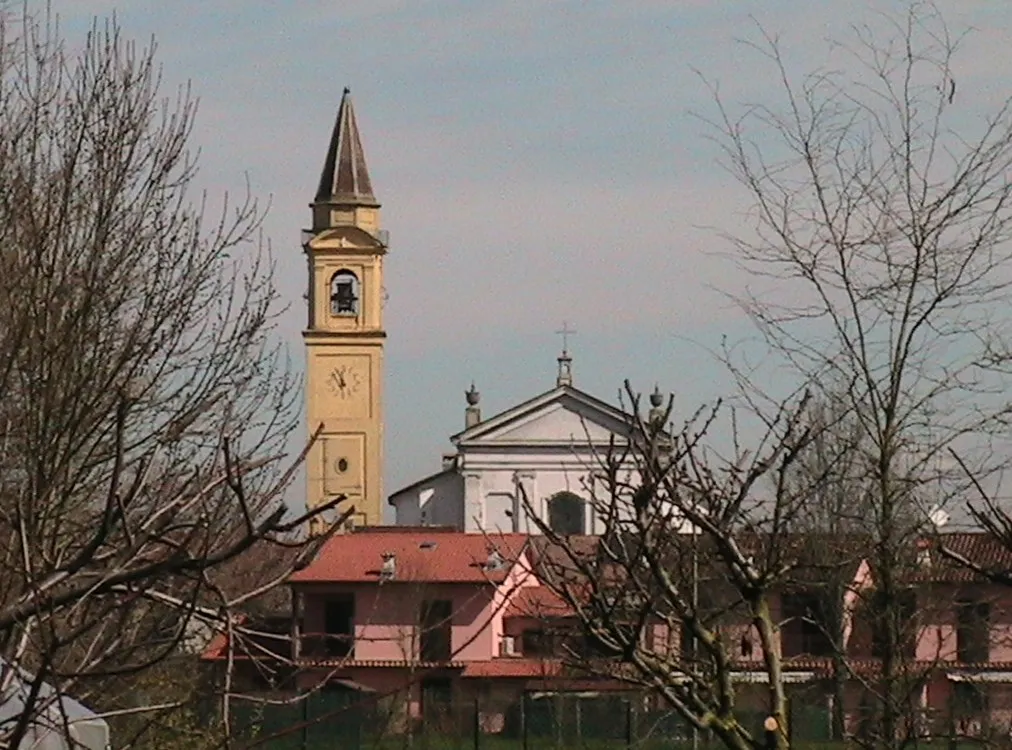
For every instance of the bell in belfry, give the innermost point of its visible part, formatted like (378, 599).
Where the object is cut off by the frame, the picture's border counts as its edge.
(343, 300)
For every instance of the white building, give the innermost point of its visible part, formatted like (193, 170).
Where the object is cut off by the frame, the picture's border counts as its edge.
(58, 721)
(552, 450)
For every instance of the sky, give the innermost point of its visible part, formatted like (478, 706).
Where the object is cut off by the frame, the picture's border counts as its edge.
(537, 162)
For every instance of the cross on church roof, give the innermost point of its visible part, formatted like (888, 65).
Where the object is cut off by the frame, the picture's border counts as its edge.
(565, 376)
(566, 332)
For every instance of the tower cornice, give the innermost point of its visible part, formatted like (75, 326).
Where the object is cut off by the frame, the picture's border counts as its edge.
(316, 334)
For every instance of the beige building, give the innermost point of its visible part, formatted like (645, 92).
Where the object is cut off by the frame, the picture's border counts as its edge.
(344, 336)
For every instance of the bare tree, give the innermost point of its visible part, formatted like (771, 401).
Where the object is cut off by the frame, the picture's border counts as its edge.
(834, 518)
(882, 223)
(144, 402)
(677, 594)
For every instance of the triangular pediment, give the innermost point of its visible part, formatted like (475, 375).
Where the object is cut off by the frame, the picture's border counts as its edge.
(341, 239)
(562, 417)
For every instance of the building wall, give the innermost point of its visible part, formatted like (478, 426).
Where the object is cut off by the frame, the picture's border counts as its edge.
(521, 576)
(437, 501)
(495, 484)
(387, 618)
(937, 610)
(487, 492)
(387, 615)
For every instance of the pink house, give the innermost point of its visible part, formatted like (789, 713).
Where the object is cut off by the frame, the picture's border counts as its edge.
(956, 662)
(419, 613)
(391, 596)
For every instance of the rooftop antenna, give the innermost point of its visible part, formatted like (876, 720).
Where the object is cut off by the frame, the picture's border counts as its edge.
(938, 517)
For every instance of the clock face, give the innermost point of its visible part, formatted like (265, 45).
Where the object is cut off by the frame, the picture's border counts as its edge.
(344, 381)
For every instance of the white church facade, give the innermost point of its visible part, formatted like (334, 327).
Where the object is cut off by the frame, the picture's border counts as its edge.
(561, 451)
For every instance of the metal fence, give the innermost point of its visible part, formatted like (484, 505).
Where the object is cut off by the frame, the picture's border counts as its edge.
(537, 721)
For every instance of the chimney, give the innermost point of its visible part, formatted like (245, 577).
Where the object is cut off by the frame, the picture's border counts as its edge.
(495, 560)
(472, 414)
(388, 571)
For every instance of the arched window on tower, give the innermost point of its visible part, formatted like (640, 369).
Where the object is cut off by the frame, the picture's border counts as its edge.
(344, 293)
(567, 513)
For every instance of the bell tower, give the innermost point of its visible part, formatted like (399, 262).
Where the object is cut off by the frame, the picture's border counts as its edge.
(344, 337)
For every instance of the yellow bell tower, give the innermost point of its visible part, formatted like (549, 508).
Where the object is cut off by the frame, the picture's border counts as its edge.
(344, 338)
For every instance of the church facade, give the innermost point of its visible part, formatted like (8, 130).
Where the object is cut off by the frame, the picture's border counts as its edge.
(554, 456)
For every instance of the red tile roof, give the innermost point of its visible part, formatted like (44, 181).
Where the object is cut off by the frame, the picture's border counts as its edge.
(538, 602)
(217, 649)
(870, 666)
(980, 548)
(378, 663)
(420, 554)
(510, 667)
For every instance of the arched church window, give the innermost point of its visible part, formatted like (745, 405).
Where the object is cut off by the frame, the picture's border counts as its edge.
(344, 293)
(567, 513)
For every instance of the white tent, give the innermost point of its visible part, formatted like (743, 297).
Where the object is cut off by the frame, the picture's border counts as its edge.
(59, 722)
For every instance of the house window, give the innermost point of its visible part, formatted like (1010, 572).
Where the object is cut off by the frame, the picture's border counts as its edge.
(339, 626)
(973, 631)
(435, 639)
(344, 293)
(806, 629)
(686, 641)
(566, 514)
(537, 643)
(619, 643)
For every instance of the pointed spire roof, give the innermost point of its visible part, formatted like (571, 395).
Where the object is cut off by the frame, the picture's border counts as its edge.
(345, 178)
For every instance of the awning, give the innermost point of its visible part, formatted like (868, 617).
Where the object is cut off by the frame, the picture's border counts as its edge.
(763, 677)
(979, 676)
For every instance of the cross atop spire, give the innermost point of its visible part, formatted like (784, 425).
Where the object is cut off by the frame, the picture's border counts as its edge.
(565, 376)
(345, 178)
